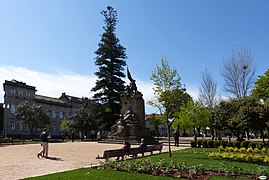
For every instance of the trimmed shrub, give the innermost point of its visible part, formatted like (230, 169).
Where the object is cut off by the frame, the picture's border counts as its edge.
(210, 143)
(216, 144)
(205, 145)
(244, 144)
(236, 144)
(193, 144)
(199, 143)
(224, 143)
(230, 144)
(252, 145)
(260, 145)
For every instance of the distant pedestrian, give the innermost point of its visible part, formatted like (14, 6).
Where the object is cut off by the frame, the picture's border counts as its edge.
(44, 142)
(176, 138)
(142, 144)
(99, 136)
(73, 136)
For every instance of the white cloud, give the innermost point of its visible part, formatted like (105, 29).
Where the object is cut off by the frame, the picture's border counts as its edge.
(54, 84)
(193, 91)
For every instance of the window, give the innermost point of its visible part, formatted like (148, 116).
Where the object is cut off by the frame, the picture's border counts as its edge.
(53, 115)
(20, 127)
(12, 126)
(26, 127)
(61, 115)
(13, 91)
(12, 109)
(67, 115)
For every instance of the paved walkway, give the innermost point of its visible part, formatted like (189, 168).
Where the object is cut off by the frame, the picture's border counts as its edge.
(20, 161)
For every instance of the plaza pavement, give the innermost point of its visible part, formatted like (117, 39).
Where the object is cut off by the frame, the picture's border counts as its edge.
(20, 161)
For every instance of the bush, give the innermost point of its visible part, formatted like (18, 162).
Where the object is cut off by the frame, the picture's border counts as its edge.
(224, 143)
(199, 143)
(236, 144)
(216, 144)
(193, 144)
(260, 145)
(205, 145)
(210, 143)
(244, 144)
(252, 145)
(230, 144)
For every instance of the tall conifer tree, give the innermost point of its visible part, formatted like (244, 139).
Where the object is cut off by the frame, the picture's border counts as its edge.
(111, 61)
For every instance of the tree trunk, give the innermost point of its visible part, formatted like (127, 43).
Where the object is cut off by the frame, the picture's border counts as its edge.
(169, 144)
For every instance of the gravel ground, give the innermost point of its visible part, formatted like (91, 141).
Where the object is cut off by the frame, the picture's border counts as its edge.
(20, 161)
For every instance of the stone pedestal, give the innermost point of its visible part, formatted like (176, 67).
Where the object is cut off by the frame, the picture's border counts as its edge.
(132, 124)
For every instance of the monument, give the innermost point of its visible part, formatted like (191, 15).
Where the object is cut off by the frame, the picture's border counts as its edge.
(131, 125)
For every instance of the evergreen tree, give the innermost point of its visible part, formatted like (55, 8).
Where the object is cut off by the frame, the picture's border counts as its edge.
(111, 61)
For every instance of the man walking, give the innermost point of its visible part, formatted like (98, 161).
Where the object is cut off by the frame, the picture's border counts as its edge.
(176, 137)
(44, 144)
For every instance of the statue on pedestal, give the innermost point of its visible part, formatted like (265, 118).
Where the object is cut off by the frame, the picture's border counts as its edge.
(131, 126)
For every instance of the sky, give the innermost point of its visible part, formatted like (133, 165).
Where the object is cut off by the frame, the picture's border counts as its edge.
(50, 44)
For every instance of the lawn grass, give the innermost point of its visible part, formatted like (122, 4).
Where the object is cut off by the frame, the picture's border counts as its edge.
(198, 157)
(87, 173)
(195, 159)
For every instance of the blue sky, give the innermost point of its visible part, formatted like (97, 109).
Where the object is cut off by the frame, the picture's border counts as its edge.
(50, 44)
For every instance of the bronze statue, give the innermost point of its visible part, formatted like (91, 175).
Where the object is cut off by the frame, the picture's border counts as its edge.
(132, 86)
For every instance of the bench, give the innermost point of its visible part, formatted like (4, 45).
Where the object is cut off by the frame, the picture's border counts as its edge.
(112, 153)
(10, 141)
(131, 152)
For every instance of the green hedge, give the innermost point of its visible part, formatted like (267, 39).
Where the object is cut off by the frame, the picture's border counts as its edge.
(208, 143)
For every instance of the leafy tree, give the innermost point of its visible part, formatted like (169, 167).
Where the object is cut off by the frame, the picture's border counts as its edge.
(220, 116)
(64, 124)
(238, 73)
(110, 61)
(82, 120)
(239, 116)
(156, 121)
(32, 115)
(261, 88)
(168, 92)
(193, 115)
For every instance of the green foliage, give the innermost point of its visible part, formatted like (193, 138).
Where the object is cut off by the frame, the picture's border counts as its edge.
(193, 144)
(64, 124)
(210, 143)
(110, 61)
(82, 120)
(245, 144)
(236, 144)
(260, 145)
(252, 145)
(156, 121)
(216, 144)
(238, 116)
(168, 92)
(90, 173)
(224, 143)
(205, 144)
(230, 144)
(32, 115)
(192, 114)
(261, 88)
(199, 143)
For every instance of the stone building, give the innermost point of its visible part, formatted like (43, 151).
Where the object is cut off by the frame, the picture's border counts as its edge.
(57, 108)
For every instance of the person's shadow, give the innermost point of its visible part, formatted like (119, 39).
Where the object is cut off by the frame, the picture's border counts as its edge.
(54, 158)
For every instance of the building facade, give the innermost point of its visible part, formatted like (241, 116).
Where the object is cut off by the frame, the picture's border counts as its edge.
(57, 108)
